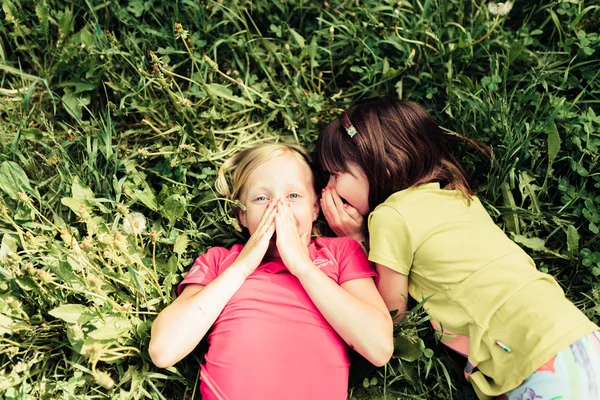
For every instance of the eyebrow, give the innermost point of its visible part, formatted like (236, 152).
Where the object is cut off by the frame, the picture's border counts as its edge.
(291, 186)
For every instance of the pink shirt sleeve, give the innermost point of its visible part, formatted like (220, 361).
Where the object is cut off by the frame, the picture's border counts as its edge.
(352, 260)
(205, 269)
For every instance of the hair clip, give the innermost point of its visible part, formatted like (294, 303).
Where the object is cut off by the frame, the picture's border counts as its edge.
(350, 129)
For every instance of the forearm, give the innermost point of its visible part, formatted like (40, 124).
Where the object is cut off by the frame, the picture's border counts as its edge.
(362, 326)
(181, 326)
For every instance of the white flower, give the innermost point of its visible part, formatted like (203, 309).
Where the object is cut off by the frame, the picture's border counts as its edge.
(20, 367)
(134, 223)
(500, 8)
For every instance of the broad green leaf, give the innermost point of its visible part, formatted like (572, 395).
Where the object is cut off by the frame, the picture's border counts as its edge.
(224, 92)
(406, 349)
(76, 337)
(174, 207)
(136, 7)
(529, 189)
(535, 244)
(510, 217)
(111, 328)
(10, 326)
(81, 87)
(87, 38)
(14, 180)
(81, 191)
(72, 203)
(172, 264)
(75, 102)
(69, 312)
(9, 244)
(42, 12)
(553, 143)
(5, 324)
(298, 38)
(572, 239)
(180, 244)
(147, 197)
(65, 23)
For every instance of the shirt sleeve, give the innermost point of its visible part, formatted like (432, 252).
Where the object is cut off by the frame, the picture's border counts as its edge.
(204, 270)
(390, 241)
(352, 261)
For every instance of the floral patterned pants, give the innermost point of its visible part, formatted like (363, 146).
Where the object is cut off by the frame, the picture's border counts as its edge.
(573, 374)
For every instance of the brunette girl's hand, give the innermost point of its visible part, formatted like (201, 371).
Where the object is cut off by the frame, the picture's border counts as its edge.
(292, 246)
(342, 218)
(258, 244)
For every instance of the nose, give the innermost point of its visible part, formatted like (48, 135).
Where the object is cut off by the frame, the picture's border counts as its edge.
(331, 181)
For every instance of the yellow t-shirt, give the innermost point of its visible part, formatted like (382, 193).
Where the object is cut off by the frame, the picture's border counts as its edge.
(484, 288)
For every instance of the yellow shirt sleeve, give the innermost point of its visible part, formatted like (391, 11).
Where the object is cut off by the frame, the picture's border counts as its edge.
(390, 241)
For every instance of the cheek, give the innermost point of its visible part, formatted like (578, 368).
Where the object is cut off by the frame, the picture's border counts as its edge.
(342, 184)
(303, 214)
(253, 216)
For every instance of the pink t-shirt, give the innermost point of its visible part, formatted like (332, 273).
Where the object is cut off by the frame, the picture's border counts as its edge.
(270, 341)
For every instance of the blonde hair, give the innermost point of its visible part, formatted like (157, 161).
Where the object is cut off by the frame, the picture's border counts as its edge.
(234, 173)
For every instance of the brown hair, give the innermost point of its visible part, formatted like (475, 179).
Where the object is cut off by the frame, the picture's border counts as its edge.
(398, 145)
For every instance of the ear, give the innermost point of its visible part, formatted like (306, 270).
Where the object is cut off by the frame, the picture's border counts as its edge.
(316, 210)
(241, 216)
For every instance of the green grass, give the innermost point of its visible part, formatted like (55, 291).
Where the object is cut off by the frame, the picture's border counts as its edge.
(111, 107)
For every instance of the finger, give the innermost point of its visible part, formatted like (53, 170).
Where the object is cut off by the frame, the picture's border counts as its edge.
(353, 213)
(268, 217)
(330, 211)
(285, 216)
(337, 200)
(305, 238)
(283, 211)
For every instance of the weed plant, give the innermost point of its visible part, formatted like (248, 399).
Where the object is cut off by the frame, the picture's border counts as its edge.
(115, 115)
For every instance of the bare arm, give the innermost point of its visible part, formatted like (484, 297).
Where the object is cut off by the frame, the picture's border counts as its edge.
(181, 326)
(355, 310)
(393, 287)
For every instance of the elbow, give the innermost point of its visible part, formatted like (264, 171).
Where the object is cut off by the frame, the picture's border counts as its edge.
(383, 354)
(383, 351)
(380, 351)
(160, 355)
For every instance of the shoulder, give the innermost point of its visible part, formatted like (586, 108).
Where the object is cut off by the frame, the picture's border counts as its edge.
(216, 256)
(221, 252)
(423, 203)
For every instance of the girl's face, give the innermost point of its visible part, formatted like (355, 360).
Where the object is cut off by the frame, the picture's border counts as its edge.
(281, 177)
(353, 187)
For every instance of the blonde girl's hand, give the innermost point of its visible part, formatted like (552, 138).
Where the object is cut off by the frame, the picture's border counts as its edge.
(255, 249)
(342, 218)
(292, 246)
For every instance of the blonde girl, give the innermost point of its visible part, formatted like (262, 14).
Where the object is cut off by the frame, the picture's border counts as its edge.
(282, 310)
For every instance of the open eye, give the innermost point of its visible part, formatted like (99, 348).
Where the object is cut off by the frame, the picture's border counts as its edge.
(261, 198)
(294, 196)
